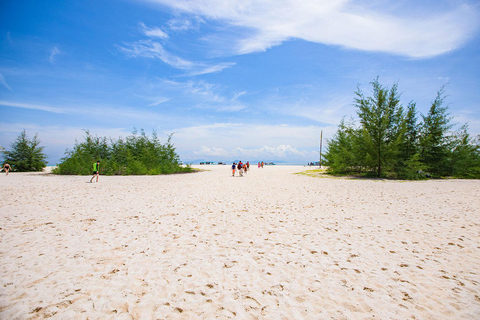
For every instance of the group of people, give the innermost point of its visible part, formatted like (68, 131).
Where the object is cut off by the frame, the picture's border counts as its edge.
(242, 168)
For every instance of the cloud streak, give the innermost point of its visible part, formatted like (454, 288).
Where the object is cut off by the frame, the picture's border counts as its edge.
(4, 82)
(30, 106)
(148, 48)
(345, 23)
(155, 32)
(53, 54)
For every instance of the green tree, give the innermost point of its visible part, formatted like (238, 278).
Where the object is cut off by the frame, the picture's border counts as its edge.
(137, 154)
(26, 155)
(465, 155)
(340, 156)
(434, 139)
(382, 122)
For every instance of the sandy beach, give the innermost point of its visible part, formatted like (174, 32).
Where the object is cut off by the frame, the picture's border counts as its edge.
(269, 245)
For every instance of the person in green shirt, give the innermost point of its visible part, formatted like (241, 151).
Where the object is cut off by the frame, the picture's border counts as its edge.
(96, 170)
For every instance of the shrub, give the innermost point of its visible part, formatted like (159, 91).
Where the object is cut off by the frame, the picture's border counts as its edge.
(135, 155)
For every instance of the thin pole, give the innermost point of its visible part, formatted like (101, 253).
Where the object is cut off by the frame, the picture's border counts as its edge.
(321, 137)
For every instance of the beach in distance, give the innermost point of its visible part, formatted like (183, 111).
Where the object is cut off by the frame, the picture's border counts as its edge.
(269, 245)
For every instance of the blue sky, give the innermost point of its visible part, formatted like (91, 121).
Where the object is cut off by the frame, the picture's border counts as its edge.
(234, 79)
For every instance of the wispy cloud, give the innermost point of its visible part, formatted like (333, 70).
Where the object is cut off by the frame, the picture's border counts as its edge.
(158, 101)
(154, 32)
(14, 104)
(204, 95)
(347, 23)
(4, 82)
(149, 48)
(153, 49)
(54, 52)
(185, 24)
(114, 112)
(202, 68)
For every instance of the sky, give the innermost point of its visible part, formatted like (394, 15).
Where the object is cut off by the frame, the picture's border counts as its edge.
(230, 79)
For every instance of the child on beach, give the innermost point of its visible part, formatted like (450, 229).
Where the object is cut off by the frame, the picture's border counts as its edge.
(234, 167)
(96, 170)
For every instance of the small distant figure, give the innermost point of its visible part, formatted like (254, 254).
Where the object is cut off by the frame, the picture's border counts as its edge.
(96, 170)
(234, 168)
(6, 168)
(259, 165)
(262, 164)
(240, 168)
(248, 165)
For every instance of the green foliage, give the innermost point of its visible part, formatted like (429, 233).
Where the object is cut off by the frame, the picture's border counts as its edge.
(465, 155)
(382, 122)
(433, 142)
(26, 155)
(389, 142)
(135, 155)
(339, 157)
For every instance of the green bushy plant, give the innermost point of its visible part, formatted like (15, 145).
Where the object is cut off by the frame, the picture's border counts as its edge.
(137, 154)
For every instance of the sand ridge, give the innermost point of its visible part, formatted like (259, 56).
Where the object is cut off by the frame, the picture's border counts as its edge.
(269, 245)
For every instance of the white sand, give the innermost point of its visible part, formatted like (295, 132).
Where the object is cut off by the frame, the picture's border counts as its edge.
(270, 245)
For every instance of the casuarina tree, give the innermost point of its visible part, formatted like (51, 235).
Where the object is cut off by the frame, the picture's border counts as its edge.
(25, 154)
(382, 122)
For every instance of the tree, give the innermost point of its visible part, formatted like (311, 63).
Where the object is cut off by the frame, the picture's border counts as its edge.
(465, 155)
(434, 140)
(137, 154)
(382, 122)
(390, 141)
(26, 155)
(340, 155)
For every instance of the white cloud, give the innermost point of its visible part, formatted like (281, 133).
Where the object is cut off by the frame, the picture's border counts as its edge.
(53, 54)
(212, 152)
(227, 141)
(14, 104)
(155, 32)
(158, 101)
(347, 23)
(281, 152)
(185, 24)
(4, 82)
(205, 69)
(155, 50)
(203, 95)
(115, 113)
(152, 49)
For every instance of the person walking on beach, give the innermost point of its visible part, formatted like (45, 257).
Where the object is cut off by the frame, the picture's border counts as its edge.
(6, 168)
(234, 167)
(96, 170)
(240, 168)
